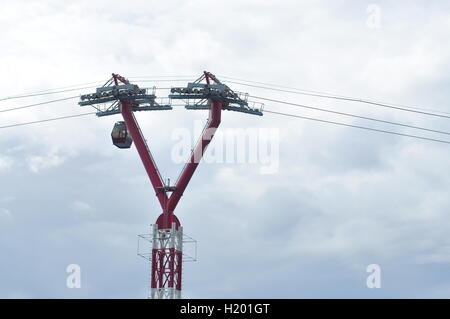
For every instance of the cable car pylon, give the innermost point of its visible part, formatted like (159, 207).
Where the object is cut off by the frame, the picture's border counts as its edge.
(167, 250)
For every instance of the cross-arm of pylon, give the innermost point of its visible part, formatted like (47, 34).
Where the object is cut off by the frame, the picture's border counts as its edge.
(127, 98)
(215, 96)
(197, 154)
(214, 90)
(144, 152)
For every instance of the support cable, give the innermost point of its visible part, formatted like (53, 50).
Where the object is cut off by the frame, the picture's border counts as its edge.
(351, 115)
(36, 104)
(423, 111)
(46, 120)
(357, 126)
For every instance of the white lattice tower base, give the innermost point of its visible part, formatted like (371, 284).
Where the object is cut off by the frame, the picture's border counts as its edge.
(166, 261)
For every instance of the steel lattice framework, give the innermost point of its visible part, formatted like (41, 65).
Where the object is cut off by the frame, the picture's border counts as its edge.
(213, 95)
(167, 257)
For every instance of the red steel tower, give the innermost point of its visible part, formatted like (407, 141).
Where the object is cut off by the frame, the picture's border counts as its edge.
(167, 240)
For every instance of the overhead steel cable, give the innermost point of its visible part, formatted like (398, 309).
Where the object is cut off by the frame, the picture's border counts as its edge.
(328, 95)
(44, 93)
(266, 111)
(282, 86)
(76, 86)
(46, 120)
(347, 98)
(162, 76)
(261, 98)
(70, 88)
(422, 111)
(67, 98)
(36, 104)
(66, 87)
(351, 115)
(168, 80)
(357, 126)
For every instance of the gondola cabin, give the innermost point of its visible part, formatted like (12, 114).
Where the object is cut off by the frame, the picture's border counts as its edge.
(120, 135)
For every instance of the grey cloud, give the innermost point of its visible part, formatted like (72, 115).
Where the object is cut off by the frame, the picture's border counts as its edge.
(342, 198)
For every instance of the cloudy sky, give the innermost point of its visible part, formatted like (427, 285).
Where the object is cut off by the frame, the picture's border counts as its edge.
(340, 198)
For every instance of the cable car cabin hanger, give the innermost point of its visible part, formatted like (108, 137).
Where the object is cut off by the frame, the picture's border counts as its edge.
(127, 98)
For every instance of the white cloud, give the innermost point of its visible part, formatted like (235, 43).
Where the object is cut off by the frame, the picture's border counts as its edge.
(80, 206)
(5, 163)
(5, 215)
(38, 163)
(7, 199)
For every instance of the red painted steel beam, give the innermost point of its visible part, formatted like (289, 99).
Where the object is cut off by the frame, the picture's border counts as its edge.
(118, 78)
(189, 169)
(169, 204)
(144, 152)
